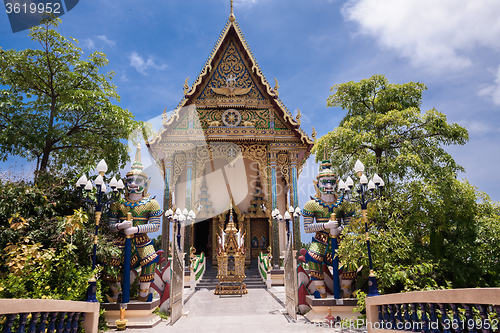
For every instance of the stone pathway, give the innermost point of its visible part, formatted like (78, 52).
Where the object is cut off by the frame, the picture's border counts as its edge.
(258, 311)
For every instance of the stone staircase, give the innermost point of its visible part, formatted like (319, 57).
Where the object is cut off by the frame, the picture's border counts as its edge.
(252, 280)
(208, 281)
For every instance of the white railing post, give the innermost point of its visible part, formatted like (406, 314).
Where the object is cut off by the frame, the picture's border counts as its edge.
(192, 277)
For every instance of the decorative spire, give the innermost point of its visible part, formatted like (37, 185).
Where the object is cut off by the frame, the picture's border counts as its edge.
(231, 16)
(230, 228)
(231, 201)
(137, 168)
(137, 165)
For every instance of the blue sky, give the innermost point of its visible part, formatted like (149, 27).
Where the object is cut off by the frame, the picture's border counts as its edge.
(450, 45)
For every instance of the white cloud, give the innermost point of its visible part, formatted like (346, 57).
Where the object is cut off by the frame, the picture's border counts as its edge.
(106, 40)
(98, 43)
(436, 35)
(89, 43)
(123, 77)
(137, 61)
(493, 90)
(477, 127)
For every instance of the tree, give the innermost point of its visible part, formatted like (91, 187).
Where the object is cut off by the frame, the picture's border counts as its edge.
(57, 109)
(385, 127)
(428, 230)
(46, 238)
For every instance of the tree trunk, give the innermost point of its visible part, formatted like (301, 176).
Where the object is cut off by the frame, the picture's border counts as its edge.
(45, 160)
(48, 142)
(378, 157)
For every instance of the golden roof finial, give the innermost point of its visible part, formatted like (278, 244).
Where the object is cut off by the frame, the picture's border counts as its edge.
(231, 16)
(231, 204)
(230, 228)
(186, 86)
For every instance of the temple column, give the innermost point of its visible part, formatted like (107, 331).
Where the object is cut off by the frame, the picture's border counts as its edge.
(282, 234)
(215, 241)
(284, 165)
(294, 160)
(248, 249)
(167, 203)
(188, 230)
(274, 201)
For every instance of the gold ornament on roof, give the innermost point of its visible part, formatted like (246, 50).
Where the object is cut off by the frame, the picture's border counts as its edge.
(232, 18)
(314, 133)
(276, 87)
(297, 117)
(164, 117)
(231, 90)
(185, 86)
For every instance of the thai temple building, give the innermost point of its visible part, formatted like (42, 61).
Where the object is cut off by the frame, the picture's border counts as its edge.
(231, 142)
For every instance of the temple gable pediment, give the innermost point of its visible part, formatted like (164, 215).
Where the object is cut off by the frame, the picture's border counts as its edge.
(230, 81)
(233, 99)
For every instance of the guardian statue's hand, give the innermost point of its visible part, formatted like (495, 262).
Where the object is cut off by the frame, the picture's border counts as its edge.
(124, 225)
(331, 224)
(336, 231)
(131, 231)
(334, 227)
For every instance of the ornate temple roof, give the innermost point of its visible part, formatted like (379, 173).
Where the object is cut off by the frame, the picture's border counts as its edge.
(244, 89)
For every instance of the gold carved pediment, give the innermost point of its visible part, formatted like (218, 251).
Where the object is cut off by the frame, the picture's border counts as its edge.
(230, 78)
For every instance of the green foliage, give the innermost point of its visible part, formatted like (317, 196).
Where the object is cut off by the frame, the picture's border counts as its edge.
(361, 306)
(305, 245)
(429, 230)
(157, 243)
(56, 108)
(385, 128)
(134, 289)
(103, 324)
(50, 275)
(163, 315)
(46, 239)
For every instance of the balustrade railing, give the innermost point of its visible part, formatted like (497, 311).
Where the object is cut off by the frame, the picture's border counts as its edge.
(264, 269)
(48, 316)
(472, 310)
(198, 267)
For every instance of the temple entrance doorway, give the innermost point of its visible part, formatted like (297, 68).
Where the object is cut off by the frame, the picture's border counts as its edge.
(259, 236)
(202, 238)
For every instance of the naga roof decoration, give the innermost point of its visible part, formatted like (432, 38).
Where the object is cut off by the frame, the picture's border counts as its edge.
(211, 85)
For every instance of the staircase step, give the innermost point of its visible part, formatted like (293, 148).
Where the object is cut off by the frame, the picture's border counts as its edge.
(253, 280)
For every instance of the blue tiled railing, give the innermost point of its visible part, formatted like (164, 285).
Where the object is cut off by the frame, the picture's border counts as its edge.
(40, 316)
(472, 310)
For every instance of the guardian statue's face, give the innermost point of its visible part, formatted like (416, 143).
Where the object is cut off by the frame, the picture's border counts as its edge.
(327, 184)
(136, 184)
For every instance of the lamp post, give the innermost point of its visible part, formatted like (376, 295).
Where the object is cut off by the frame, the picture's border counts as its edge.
(275, 214)
(368, 191)
(295, 212)
(117, 187)
(178, 218)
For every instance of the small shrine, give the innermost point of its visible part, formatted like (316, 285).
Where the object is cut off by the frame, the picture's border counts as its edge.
(231, 258)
